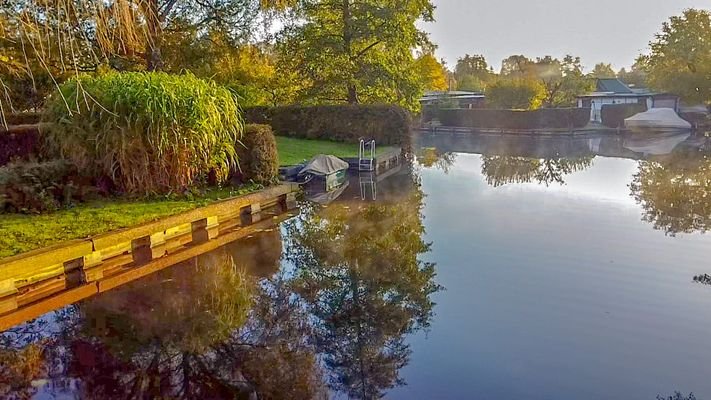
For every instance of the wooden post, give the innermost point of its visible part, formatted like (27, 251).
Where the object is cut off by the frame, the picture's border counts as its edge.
(251, 214)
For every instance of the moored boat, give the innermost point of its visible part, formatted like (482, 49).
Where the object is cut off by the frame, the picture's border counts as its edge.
(657, 119)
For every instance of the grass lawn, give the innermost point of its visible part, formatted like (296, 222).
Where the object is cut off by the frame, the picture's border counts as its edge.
(294, 151)
(20, 233)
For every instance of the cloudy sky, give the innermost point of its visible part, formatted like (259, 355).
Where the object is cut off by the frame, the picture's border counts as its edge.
(613, 31)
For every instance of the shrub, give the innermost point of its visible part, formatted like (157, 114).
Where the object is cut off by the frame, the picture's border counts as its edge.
(259, 161)
(519, 94)
(21, 142)
(37, 187)
(344, 123)
(150, 132)
(545, 118)
(614, 115)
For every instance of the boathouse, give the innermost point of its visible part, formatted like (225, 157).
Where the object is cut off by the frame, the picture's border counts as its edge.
(614, 91)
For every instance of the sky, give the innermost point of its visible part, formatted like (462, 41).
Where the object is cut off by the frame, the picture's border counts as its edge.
(610, 31)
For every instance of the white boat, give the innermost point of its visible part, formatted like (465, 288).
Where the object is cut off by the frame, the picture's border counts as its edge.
(657, 119)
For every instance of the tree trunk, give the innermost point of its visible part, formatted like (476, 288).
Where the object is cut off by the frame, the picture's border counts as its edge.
(154, 59)
(347, 44)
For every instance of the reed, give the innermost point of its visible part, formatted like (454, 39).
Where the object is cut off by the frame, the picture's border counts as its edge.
(150, 132)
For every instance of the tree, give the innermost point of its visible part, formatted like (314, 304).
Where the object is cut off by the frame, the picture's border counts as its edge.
(635, 77)
(563, 80)
(516, 66)
(358, 51)
(432, 72)
(680, 58)
(472, 73)
(603, 70)
(519, 94)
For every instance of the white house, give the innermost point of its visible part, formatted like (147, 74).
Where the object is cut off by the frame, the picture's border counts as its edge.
(614, 91)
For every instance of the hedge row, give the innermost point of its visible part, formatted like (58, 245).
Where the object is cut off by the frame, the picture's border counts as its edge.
(21, 142)
(386, 124)
(545, 118)
(614, 115)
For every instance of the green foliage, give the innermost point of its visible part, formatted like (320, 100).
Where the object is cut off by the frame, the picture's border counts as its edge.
(602, 70)
(343, 123)
(520, 94)
(20, 233)
(149, 132)
(472, 73)
(259, 160)
(357, 52)
(562, 80)
(635, 77)
(680, 58)
(37, 187)
(472, 83)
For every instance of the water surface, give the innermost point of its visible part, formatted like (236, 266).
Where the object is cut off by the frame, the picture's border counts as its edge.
(495, 267)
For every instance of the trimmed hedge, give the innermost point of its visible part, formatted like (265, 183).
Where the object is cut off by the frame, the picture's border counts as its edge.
(387, 124)
(257, 154)
(21, 142)
(545, 118)
(614, 115)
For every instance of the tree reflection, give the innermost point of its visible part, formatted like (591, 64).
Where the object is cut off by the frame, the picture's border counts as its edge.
(675, 193)
(187, 332)
(431, 157)
(504, 170)
(358, 270)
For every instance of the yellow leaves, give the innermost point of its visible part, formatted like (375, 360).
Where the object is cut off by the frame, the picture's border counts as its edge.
(431, 72)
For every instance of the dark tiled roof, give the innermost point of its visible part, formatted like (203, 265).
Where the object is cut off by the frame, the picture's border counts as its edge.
(612, 85)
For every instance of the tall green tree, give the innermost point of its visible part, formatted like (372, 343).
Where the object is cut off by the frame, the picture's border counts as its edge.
(636, 76)
(358, 51)
(602, 70)
(563, 79)
(472, 72)
(680, 58)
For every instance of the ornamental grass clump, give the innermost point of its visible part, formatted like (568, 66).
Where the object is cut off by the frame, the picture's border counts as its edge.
(150, 132)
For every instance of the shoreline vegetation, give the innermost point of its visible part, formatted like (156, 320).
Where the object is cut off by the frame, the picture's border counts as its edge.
(20, 233)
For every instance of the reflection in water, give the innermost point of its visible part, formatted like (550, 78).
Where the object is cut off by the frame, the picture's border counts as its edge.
(675, 192)
(432, 157)
(358, 271)
(503, 170)
(236, 323)
(186, 332)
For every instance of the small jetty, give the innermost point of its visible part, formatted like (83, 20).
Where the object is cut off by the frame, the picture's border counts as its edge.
(36, 282)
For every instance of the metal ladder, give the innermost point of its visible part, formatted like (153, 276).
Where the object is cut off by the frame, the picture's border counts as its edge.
(366, 149)
(368, 184)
